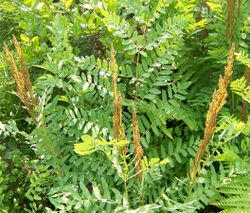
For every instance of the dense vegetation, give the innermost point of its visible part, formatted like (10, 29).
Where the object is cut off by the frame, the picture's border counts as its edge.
(124, 106)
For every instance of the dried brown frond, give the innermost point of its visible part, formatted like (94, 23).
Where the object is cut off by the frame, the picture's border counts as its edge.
(113, 69)
(230, 19)
(117, 118)
(15, 72)
(118, 130)
(138, 151)
(22, 79)
(23, 66)
(218, 101)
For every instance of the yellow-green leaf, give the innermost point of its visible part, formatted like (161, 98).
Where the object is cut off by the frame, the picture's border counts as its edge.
(25, 38)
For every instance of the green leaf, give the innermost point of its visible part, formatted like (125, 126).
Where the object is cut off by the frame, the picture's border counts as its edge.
(84, 148)
(155, 91)
(143, 53)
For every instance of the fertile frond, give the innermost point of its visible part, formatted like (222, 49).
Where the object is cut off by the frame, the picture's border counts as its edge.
(22, 79)
(218, 101)
(138, 151)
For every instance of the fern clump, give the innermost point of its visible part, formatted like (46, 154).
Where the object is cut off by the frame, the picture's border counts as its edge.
(113, 105)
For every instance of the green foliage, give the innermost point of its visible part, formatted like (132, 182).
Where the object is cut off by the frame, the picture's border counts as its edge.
(236, 190)
(169, 56)
(241, 88)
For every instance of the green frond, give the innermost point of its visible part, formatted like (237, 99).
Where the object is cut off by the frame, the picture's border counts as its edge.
(243, 58)
(237, 194)
(241, 88)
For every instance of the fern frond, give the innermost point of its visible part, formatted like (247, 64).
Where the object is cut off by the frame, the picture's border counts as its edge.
(243, 58)
(237, 193)
(241, 88)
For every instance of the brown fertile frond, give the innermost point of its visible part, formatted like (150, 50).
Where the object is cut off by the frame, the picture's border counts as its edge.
(23, 66)
(230, 19)
(15, 72)
(138, 151)
(118, 131)
(22, 79)
(113, 69)
(218, 101)
(117, 116)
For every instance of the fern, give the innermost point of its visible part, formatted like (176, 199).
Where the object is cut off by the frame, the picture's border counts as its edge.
(241, 88)
(243, 58)
(169, 54)
(236, 191)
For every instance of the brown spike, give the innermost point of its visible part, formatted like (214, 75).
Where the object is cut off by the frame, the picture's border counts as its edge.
(117, 118)
(17, 75)
(113, 69)
(117, 99)
(138, 151)
(22, 79)
(118, 131)
(218, 101)
(23, 66)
